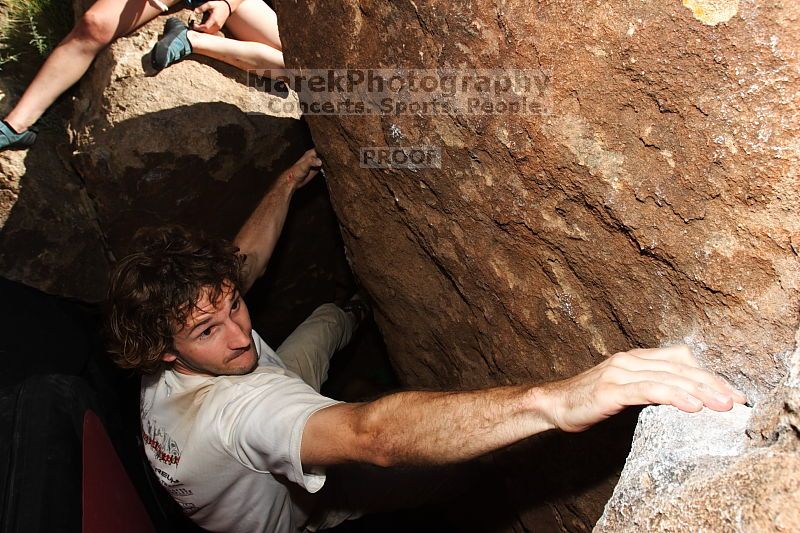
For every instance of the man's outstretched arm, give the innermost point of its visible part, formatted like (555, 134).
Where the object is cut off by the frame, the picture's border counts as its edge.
(259, 234)
(444, 427)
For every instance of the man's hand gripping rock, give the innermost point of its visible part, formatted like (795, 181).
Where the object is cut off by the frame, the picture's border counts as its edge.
(303, 170)
(669, 376)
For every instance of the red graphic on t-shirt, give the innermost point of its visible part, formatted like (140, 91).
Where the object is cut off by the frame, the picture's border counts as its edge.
(161, 455)
(165, 448)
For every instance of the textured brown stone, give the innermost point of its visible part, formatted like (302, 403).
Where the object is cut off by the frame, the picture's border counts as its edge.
(756, 491)
(656, 202)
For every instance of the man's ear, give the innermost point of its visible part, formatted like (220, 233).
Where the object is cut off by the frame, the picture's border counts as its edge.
(169, 357)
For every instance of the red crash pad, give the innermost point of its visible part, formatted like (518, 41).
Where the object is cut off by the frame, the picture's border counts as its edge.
(110, 502)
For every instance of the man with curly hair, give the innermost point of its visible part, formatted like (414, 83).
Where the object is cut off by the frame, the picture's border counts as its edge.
(222, 413)
(240, 435)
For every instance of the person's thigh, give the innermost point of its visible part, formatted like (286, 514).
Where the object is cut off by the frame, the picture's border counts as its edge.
(255, 21)
(126, 15)
(308, 350)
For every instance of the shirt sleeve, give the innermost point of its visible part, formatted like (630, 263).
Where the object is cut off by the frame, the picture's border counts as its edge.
(262, 424)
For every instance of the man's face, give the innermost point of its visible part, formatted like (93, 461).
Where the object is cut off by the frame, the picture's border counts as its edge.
(215, 340)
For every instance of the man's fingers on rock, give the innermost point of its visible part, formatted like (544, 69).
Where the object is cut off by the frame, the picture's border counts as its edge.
(691, 372)
(679, 353)
(653, 392)
(694, 372)
(720, 401)
(623, 360)
(714, 399)
(715, 382)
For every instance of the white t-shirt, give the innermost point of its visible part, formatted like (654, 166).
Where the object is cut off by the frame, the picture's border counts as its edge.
(227, 448)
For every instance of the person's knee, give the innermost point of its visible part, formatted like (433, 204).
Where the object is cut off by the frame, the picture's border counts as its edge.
(96, 28)
(327, 308)
(330, 312)
(336, 320)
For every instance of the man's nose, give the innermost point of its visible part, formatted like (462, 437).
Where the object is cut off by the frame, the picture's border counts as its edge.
(239, 337)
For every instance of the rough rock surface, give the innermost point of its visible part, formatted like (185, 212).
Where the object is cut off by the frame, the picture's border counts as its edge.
(655, 200)
(713, 471)
(194, 143)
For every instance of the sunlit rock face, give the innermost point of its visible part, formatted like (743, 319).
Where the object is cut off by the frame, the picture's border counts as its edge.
(650, 197)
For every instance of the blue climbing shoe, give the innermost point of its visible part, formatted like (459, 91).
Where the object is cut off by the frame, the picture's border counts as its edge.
(173, 46)
(10, 139)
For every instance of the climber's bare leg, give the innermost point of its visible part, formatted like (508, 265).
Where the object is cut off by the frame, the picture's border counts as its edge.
(255, 45)
(255, 21)
(103, 22)
(246, 55)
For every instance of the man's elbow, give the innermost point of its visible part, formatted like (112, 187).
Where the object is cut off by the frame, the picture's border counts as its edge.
(378, 453)
(373, 443)
(383, 457)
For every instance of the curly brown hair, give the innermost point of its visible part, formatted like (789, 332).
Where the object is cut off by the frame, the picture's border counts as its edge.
(155, 289)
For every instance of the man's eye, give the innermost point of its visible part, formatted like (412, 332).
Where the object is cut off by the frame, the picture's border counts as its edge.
(235, 304)
(205, 333)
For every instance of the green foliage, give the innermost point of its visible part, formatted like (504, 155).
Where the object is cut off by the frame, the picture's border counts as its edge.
(29, 29)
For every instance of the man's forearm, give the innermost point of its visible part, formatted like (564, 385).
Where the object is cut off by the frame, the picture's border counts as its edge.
(433, 428)
(260, 233)
(425, 428)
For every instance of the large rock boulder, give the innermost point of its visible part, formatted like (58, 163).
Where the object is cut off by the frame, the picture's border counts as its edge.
(49, 237)
(652, 198)
(195, 144)
(735, 471)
